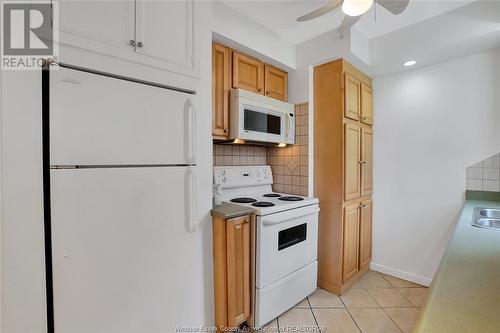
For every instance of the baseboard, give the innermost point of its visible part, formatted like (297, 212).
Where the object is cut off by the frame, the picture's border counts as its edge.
(424, 281)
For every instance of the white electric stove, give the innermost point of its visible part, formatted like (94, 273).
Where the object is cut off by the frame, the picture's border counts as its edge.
(286, 238)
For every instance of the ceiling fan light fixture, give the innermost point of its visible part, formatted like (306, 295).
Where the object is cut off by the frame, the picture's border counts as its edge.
(356, 7)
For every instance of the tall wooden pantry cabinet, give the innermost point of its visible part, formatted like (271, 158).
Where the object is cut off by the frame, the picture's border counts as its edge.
(343, 136)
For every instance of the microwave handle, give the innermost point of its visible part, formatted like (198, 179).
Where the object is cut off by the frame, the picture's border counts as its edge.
(288, 126)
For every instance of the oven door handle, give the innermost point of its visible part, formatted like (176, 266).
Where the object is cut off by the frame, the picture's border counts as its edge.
(290, 217)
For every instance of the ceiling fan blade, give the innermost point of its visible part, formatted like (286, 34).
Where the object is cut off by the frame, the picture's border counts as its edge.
(394, 6)
(320, 11)
(348, 22)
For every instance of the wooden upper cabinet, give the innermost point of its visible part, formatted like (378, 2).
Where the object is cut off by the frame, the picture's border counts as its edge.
(366, 104)
(352, 161)
(366, 161)
(275, 83)
(248, 73)
(221, 84)
(365, 232)
(238, 270)
(350, 242)
(352, 89)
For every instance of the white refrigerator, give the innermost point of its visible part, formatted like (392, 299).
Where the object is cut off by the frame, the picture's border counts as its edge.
(123, 217)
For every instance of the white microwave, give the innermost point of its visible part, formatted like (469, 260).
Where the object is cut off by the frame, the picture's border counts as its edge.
(261, 119)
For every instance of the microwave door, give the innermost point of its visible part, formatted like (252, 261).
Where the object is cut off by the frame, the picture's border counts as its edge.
(263, 125)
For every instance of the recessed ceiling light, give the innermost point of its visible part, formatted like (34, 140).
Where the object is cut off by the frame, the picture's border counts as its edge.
(409, 63)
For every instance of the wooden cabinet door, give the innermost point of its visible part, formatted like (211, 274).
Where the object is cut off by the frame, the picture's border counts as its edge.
(366, 161)
(350, 257)
(275, 83)
(238, 270)
(104, 26)
(248, 73)
(366, 104)
(352, 161)
(221, 83)
(164, 31)
(365, 233)
(352, 88)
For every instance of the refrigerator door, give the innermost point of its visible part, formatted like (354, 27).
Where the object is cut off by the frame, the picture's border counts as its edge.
(123, 258)
(101, 120)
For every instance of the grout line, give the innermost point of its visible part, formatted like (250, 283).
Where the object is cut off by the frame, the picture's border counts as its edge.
(350, 314)
(314, 316)
(392, 320)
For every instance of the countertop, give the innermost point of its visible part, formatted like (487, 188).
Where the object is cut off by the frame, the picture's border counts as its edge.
(465, 293)
(228, 210)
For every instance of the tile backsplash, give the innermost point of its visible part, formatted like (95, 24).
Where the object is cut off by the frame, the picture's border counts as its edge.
(289, 164)
(239, 155)
(485, 175)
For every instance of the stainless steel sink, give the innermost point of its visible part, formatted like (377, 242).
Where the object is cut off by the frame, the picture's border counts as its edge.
(488, 218)
(489, 212)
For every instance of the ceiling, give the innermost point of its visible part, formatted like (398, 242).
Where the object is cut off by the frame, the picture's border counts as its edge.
(280, 17)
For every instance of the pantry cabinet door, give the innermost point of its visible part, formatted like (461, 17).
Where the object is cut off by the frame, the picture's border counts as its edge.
(276, 83)
(365, 233)
(351, 242)
(102, 26)
(366, 161)
(248, 73)
(238, 270)
(221, 84)
(352, 161)
(366, 104)
(352, 88)
(165, 32)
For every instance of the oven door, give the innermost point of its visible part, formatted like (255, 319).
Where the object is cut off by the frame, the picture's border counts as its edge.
(286, 242)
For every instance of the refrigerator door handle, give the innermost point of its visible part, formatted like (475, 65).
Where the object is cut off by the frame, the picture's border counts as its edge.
(191, 209)
(190, 116)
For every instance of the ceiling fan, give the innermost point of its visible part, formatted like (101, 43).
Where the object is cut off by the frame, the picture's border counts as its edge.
(354, 9)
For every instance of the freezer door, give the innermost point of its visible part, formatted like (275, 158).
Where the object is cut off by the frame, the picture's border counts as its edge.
(123, 258)
(100, 120)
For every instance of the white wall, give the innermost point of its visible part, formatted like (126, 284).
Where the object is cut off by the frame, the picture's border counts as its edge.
(319, 50)
(430, 124)
(241, 33)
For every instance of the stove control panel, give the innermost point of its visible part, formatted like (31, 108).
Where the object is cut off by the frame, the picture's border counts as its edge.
(242, 176)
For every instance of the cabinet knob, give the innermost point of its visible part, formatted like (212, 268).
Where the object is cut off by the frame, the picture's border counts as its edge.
(268, 92)
(140, 44)
(226, 130)
(363, 206)
(364, 162)
(259, 90)
(131, 42)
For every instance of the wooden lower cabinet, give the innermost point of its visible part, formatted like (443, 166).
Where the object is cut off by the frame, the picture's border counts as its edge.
(238, 270)
(350, 265)
(232, 244)
(365, 233)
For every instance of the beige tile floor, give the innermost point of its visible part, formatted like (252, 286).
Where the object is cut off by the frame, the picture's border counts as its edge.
(378, 303)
